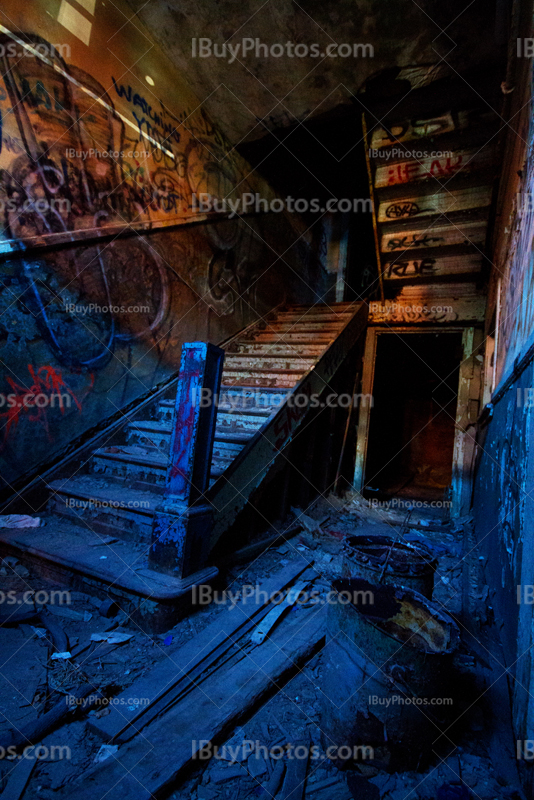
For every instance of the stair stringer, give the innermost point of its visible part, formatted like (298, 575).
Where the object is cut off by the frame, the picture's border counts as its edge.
(232, 490)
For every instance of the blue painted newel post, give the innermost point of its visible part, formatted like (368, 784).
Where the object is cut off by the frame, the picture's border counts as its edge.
(182, 523)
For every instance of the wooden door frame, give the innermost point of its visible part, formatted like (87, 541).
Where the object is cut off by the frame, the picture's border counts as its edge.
(467, 408)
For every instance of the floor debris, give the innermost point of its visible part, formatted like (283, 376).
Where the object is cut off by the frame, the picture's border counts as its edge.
(247, 687)
(19, 521)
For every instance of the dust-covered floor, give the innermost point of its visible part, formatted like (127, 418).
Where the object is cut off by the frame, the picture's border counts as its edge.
(256, 758)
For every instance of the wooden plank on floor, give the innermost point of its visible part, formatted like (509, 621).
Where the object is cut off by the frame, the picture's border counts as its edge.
(297, 767)
(150, 764)
(171, 670)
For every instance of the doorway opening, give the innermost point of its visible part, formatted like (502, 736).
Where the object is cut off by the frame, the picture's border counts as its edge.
(412, 422)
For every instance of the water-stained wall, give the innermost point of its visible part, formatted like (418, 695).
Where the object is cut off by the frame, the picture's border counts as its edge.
(108, 263)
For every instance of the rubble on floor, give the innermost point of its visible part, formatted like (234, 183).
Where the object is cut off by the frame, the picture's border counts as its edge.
(251, 751)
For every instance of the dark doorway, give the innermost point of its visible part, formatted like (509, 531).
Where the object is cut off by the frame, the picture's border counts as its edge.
(411, 433)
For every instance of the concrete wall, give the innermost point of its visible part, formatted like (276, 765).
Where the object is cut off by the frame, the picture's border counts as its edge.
(103, 149)
(273, 86)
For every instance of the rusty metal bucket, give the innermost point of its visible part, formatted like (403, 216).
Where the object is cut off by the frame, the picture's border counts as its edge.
(380, 559)
(387, 673)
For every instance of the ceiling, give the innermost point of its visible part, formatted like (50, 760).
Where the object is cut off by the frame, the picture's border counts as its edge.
(256, 95)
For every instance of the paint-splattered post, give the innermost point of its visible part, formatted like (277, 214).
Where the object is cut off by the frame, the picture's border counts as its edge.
(182, 524)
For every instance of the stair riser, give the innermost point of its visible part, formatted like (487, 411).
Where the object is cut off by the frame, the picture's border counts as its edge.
(164, 413)
(128, 470)
(302, 327)
(227, 424)
(228, 421)
(146, 473)
(159, 440)
(294, 316)
(226, 450)
(247, 362)
(262, 350)
(239, 423)
(251, 398)
(274, 381)
(291, 338)
(292, 374)
(123, 523)
(235, 425)
(236, 400)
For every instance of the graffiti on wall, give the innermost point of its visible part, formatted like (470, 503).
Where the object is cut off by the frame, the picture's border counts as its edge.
(46, 390)
(101, 320)
(72, 162)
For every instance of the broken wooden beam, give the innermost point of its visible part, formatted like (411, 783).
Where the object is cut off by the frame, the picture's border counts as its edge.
(164, 678)
(293, 786)
(151, 763)
(35, 730)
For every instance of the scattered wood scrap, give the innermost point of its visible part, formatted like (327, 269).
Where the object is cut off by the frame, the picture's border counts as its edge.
(293, 787)
(142, 768)
(268, 623)
(35, 730)
(18, 779)
(170, 678)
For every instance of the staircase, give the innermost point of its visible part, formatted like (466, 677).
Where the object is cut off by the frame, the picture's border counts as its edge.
(297, 349)
(432, 166)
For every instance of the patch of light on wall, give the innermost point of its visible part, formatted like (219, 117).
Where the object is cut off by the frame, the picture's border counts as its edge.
(75, 22)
